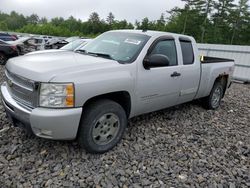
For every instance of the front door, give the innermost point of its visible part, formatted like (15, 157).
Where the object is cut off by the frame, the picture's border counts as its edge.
(159, 87)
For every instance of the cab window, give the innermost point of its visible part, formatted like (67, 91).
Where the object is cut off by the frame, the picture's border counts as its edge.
(187, 52)
(167, 48)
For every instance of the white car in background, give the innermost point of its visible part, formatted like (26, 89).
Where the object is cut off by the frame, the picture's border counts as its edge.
(76, 44)
(72, 46)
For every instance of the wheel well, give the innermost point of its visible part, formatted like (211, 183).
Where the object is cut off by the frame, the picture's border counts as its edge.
(121, 97)
(223, 79)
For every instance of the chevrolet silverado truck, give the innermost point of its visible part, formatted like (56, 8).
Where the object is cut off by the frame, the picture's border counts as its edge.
(90, 94)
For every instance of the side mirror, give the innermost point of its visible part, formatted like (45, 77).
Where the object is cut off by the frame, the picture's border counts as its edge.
(156, 60)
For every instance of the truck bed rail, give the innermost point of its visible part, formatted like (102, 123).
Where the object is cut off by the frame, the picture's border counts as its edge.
(208, 59)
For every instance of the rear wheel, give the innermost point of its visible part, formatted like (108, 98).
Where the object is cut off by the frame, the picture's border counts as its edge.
(102, 127)
(3, 58)
(213, 100)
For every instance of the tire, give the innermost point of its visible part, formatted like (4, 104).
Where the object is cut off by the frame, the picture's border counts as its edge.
(102, 126)
(3, 58)
(212, 102)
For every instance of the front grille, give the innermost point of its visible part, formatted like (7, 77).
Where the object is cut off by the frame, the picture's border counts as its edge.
(22, 89)
(25, 83)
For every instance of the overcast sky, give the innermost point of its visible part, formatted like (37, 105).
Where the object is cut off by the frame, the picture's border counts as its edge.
(122, 9)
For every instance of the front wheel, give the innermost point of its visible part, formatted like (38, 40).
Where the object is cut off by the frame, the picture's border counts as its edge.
(102, 126)
(213, 100)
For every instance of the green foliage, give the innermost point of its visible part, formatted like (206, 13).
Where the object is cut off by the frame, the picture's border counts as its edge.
(209, 21)
(3, 26)
(212, 21)
(110, 19)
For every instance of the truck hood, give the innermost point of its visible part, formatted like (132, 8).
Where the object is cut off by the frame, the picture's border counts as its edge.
(45, 66)
(45, 51)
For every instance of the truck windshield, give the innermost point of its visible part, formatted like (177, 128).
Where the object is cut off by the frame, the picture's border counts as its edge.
(120, 46)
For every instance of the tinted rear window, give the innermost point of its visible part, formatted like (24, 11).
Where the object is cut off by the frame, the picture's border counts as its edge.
(187, 52)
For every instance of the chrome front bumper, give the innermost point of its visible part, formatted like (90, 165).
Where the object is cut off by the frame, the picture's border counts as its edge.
(58, 124)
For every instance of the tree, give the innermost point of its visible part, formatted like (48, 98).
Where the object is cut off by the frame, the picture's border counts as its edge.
(206, 7)
(95, 25)
(210, 21)
(145, 24)
(137, 24)
(3, 26)
(221, 26)
(14, 20)
(94, 18)
(57, 21)
(72, 24)
(240, 18)
(110, 19)
(123, 24)
(33, 19)
(186, 21)
(43, 20)
(160, 23)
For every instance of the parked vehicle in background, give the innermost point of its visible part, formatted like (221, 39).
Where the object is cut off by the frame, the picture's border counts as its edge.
(56, 43)
(15, 36)
(28, 44)
(7, 37)
(7, 51)
(46, 38)
(75, 44)
(90, 93)
(70, 39)
(72, 46)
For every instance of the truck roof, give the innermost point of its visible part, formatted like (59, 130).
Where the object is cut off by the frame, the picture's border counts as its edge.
(151, 33)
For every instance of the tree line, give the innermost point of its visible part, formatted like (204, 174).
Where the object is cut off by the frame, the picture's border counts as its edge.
(209, 21)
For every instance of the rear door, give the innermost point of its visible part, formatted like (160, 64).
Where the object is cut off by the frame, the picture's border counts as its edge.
(190, 70)
(159, 87)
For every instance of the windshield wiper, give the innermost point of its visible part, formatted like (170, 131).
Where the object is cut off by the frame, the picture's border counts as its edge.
(81, 51)
(100, 55)
(107, 56)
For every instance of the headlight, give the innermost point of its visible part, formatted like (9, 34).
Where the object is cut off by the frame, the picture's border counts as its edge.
(57, 95)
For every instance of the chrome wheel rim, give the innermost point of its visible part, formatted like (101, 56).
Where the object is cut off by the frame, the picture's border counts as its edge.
(216, 97)
(106, 129)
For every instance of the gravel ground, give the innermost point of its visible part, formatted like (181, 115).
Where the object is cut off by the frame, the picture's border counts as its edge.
(185, 146)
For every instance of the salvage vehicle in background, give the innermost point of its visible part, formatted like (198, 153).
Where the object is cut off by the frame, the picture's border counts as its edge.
(7, 37)
(7, 51)
(90, 93)
(72, 46)
(46, 38)
(56, 43)
(28, 44)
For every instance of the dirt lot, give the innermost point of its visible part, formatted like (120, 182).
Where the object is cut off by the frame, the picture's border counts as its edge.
(185, 146)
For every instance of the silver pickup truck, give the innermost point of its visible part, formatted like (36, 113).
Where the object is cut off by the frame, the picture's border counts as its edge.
(89, 94)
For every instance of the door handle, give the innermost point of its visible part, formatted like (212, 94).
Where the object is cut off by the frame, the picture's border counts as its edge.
(175, 74)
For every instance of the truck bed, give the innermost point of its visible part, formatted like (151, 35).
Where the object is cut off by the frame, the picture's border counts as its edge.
(211, 68)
